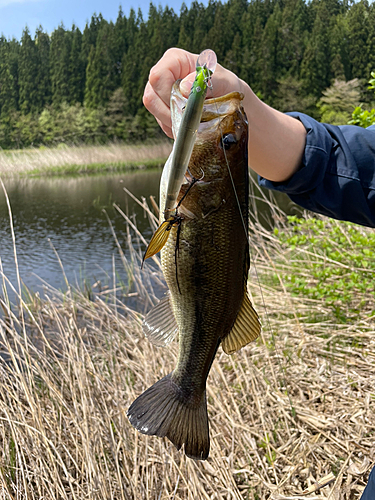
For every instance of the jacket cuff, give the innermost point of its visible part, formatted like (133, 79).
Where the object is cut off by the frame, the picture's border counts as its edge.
(311, 172)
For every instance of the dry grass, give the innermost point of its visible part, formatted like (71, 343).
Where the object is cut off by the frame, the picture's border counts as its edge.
(48, 159)
(285, 412)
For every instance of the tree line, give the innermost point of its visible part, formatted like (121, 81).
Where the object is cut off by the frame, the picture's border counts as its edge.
(72, 86)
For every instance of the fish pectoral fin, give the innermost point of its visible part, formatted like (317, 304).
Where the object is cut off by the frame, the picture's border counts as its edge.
(159, 238)
(160, 325)
(245, 329)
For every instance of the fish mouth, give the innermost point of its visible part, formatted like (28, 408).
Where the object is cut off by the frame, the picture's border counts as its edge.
(214, 109)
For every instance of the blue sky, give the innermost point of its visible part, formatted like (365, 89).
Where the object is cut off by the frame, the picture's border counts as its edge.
(16, 14)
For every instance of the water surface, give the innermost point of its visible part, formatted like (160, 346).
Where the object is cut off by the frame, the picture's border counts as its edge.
(67, 213)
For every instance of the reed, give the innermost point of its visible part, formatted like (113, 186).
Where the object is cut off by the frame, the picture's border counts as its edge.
(292, 414)
(78, 159)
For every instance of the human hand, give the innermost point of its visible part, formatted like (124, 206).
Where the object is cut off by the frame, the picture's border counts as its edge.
(176, 64)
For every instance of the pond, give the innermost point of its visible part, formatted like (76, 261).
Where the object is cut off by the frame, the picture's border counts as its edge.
(64, 216)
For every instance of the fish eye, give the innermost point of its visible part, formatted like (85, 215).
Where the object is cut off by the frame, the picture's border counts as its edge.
(227, 141)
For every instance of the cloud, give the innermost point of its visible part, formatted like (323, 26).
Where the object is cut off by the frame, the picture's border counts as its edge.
(4, 3)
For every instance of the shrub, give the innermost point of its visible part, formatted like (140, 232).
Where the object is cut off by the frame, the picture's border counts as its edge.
(337, 260)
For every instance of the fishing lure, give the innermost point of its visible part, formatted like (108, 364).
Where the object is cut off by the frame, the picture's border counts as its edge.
(205, 67)
(183, 147)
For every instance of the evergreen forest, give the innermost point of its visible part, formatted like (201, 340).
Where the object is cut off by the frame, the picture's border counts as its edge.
(86, 87)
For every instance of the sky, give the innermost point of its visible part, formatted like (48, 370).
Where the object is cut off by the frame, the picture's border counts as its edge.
(16, 14)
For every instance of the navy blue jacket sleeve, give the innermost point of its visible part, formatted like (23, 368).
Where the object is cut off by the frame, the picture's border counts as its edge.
(369, 492)
(337, 174)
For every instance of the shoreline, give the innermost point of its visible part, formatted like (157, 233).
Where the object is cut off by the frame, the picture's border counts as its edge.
(78, 160)
(97, 168)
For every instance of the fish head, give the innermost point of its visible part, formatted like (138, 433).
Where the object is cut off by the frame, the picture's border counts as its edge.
(220, 145)
(219, 156)
(222, 138)
(222, 135)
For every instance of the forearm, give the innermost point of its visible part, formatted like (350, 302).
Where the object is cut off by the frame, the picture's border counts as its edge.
(276, 140)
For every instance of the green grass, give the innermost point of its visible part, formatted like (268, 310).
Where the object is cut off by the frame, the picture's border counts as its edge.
(93, 168)
(330, 262)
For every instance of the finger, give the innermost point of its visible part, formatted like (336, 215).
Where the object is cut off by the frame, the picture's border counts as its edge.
(157, 107)
(186, 84)
(175, 64)
(167, 130)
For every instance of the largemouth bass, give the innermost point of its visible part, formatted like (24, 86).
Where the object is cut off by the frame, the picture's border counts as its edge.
(205, 262)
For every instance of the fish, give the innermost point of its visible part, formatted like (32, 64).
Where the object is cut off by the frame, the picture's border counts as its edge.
(205, 262)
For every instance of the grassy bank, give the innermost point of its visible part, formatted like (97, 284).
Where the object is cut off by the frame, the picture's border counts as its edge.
(83, 159)
(286, 412)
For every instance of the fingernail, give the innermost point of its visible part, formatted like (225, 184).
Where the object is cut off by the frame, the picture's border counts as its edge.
(185, 85)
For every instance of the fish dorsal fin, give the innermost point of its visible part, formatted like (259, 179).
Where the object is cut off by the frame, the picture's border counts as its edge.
(160, 325)
(245, 329)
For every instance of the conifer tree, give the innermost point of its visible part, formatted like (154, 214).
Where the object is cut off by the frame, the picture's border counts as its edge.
(27, 74)
(358, 35)
(61, 43)
(144, 61)
(316, 64)
(77, 68)
(8, 77)
(131, 28)
(233, 57)
(170, 27)
(133, 77)
(90, 34)
(340, 63)
(371, 40)
(291, 43)
(234, 11)
(155, 32)
(253, 23)
(43, 82)
(186, 31)
(102, 77)
(270, 44)
(216, 37)
(201, 27)
(121, 42)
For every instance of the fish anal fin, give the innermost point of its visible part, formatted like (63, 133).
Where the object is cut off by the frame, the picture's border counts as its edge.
(159, 238)
(160, 325)
(245, 329)
(162, 411)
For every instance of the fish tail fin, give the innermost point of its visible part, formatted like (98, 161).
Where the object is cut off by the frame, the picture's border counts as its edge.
(163, 411)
